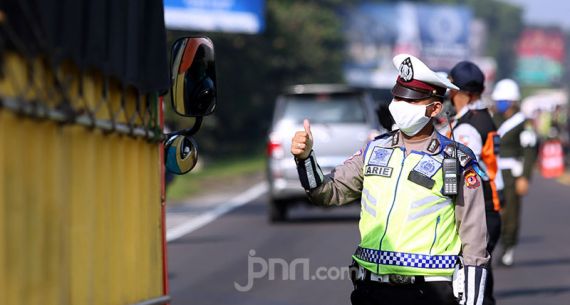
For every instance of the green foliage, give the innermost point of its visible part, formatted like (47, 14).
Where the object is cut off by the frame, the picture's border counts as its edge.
(302, 43)
(213, 174)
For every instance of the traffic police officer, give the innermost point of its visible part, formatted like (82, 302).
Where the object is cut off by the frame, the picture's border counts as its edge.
(516, 161)
(421, 201)
(473, 126)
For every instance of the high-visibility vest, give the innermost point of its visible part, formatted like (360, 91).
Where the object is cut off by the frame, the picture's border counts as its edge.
(406, 228)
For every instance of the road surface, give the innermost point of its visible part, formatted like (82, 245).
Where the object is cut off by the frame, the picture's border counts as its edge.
(210, 265)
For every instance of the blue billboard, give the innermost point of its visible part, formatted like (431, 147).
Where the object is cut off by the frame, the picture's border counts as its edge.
(437, 34)
(235, 16)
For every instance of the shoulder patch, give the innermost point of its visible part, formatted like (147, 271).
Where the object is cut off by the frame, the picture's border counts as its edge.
(471, 179)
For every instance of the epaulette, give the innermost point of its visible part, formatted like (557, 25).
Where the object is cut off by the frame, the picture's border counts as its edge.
(466, 150)
(465, 155)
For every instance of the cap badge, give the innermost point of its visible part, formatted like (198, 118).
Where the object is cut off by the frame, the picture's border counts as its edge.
(406, 70)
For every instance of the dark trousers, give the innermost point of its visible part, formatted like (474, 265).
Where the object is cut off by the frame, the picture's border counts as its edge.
(494, 229)
(429, 293)
(511, 212)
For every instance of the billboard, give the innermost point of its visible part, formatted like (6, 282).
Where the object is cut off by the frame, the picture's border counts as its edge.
(541, 53)
(438, 34)
(235, 16)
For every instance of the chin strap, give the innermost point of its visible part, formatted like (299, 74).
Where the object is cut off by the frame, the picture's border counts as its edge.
(310, 173)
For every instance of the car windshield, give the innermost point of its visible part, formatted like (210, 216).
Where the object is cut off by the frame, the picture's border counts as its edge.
(324, 109)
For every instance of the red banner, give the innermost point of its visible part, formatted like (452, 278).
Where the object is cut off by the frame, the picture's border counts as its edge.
(547, 43)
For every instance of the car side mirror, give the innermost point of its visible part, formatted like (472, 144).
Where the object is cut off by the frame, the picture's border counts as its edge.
(181, 154)
(193, 91)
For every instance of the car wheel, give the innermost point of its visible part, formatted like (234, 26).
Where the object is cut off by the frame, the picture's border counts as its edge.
(277, 210)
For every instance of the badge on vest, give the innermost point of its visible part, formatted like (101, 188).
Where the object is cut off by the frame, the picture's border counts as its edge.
(427, 166)
(380, 156)
(384, 171)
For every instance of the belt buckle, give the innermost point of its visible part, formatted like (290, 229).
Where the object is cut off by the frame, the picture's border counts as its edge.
(400, 279)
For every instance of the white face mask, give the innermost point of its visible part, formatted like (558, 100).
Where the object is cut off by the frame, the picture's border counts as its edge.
(409, 118)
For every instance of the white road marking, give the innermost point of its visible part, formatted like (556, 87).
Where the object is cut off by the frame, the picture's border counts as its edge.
(200, 221)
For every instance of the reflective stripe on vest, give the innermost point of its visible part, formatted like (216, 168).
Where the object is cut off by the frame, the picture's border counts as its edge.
(405, 228)
(407, 259)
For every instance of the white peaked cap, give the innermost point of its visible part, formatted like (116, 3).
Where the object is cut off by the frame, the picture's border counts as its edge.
(415, 69)
(506, 89)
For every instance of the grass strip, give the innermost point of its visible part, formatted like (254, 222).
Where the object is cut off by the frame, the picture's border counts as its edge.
(215, 171)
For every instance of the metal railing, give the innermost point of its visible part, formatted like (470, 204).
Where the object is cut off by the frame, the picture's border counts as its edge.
(91, 100)
(80, 188)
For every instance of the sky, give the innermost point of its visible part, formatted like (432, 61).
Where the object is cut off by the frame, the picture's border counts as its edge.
(545, 12)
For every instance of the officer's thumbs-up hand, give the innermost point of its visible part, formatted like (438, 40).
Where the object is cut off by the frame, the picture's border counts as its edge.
(302, 142)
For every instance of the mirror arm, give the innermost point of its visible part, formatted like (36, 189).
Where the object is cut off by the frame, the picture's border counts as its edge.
(192, 131)
(188, 131)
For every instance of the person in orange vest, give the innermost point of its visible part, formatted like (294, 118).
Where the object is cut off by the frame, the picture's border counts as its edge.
(516, 162)
(473, 126)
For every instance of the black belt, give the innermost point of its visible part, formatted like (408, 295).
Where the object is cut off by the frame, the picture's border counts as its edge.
(397, 279)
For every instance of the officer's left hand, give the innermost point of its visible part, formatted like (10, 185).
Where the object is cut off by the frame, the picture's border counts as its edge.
(302, 142)
(521, 186)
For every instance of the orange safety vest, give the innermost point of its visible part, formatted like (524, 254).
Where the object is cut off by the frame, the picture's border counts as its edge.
(481, 120)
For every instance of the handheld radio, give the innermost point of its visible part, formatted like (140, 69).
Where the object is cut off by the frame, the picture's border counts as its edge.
(450, 167)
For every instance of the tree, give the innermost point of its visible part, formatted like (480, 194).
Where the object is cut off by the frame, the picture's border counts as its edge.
(302, 43)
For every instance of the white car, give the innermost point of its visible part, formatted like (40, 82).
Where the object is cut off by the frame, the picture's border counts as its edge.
(343, 119)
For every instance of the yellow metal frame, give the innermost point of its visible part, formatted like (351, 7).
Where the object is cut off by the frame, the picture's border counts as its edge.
(80, 208)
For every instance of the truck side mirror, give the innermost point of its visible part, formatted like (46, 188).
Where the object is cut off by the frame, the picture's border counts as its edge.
(193, 91)
(181, 154)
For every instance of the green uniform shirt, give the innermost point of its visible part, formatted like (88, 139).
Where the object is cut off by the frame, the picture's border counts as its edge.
(518, 142)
